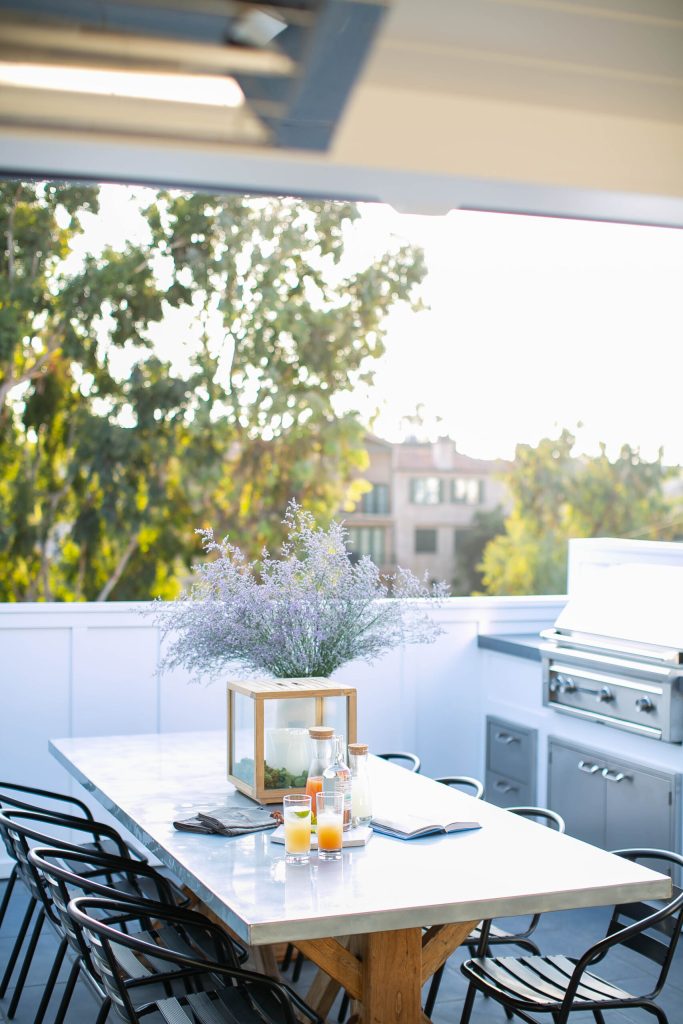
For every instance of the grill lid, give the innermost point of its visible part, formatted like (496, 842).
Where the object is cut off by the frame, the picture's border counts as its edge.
(634, 607)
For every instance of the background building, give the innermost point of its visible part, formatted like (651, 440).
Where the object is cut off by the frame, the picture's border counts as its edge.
(423, 499)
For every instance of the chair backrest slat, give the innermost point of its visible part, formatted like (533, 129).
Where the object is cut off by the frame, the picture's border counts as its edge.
(413, 763)
(106, 965)
(648, 946)
(466, 782)
(655, 940)
(627, 912)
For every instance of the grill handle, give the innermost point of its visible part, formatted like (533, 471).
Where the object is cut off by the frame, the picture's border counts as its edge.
(505, 787)
(506, 738)
(589, 769)
(614, 776)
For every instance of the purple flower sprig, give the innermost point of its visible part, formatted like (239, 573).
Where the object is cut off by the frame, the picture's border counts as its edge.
(303, 614)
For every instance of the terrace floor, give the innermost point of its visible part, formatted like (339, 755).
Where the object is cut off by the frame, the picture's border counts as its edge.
(570, 932)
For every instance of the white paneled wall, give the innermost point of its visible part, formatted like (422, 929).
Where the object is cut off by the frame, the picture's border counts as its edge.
(91, 670)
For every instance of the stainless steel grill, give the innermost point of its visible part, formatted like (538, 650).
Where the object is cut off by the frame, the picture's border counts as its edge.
(629, 673)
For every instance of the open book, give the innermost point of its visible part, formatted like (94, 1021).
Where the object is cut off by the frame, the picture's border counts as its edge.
(403, 825)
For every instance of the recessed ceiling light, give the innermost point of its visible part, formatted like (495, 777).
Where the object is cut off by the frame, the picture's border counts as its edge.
(206, 90)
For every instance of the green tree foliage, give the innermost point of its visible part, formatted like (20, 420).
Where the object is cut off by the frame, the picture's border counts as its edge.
(557, 496)
(105, 472)
(469, 549)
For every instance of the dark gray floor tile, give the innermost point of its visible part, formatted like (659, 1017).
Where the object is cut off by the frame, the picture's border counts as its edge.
(82, 1010)
(15, 910)
(41, 964)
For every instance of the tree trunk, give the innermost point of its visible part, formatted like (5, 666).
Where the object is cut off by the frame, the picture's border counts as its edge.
(118, 571)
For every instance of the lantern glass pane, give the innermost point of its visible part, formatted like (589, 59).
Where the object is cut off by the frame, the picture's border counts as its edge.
(243, 738)
(334, 714)
(286, 722)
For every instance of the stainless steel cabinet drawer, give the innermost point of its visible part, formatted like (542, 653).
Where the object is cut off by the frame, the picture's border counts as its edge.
(506, 792)
(510, 749)
(611, 802)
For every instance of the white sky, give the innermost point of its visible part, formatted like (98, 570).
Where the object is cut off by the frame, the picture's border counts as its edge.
(533, 324)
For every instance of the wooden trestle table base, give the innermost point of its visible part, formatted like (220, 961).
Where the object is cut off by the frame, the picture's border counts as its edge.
(383, 972)
(381, 920)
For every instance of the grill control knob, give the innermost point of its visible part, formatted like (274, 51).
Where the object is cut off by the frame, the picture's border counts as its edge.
(605, 695)
(645, 704)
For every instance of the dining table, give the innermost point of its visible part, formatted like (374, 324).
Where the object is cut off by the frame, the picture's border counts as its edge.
(382, 919)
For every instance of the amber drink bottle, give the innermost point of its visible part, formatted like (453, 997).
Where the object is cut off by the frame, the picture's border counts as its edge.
(322, 756)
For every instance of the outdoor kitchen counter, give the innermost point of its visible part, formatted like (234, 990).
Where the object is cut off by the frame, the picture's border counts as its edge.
(522, 645)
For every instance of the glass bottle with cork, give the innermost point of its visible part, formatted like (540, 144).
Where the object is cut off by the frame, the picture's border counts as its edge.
(337, 778)
(322, 737)
(361, 794)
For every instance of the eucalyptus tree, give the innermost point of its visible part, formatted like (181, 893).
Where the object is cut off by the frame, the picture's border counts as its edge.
(111, 454)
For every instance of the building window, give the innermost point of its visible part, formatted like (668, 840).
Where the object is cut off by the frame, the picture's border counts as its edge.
(425, 542)
(426, 490)
(367, 540)
(467, 490)
(376, 501)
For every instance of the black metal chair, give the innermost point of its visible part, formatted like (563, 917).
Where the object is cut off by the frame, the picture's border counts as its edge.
(22, 828)
(561, 985)
(234, 994)
(12, 794)
(23, 872)
(466, 782)
(413, 761)
(64, 882)
(498, 936)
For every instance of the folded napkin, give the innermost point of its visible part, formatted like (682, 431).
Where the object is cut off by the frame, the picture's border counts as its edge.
(229, 821)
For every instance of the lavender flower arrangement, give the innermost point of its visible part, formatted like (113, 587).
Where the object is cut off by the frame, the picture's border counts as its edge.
(303, 614)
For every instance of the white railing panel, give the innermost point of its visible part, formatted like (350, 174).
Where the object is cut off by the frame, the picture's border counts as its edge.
(115, 688)
(91, 669)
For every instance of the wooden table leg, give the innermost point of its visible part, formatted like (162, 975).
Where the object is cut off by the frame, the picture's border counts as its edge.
(392, 968)
(383, 971)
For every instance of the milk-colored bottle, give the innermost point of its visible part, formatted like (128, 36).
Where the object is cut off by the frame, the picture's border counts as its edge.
(361, 796)
(337, 778)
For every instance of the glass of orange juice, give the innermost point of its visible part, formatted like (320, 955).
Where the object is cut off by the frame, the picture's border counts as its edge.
(297, 815)
(330, 815)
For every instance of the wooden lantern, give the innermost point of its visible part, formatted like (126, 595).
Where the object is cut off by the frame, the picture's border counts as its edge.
(268, 721)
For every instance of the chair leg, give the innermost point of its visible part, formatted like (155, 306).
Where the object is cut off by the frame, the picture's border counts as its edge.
(104, 1011)
(469, 1003)
(343, 1008)
(17, 946)
(298, 964)
(68, 992)
(434, 990)
(11, 881)
(599, 1017)
(287, 959)
(26, 966)
(51, 982)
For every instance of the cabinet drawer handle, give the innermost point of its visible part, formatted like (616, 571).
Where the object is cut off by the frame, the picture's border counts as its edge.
(506, 739)
(589, 769)
(505, 787)
(614, 776)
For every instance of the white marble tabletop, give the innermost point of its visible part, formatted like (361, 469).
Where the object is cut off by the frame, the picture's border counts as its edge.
(508, 866)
